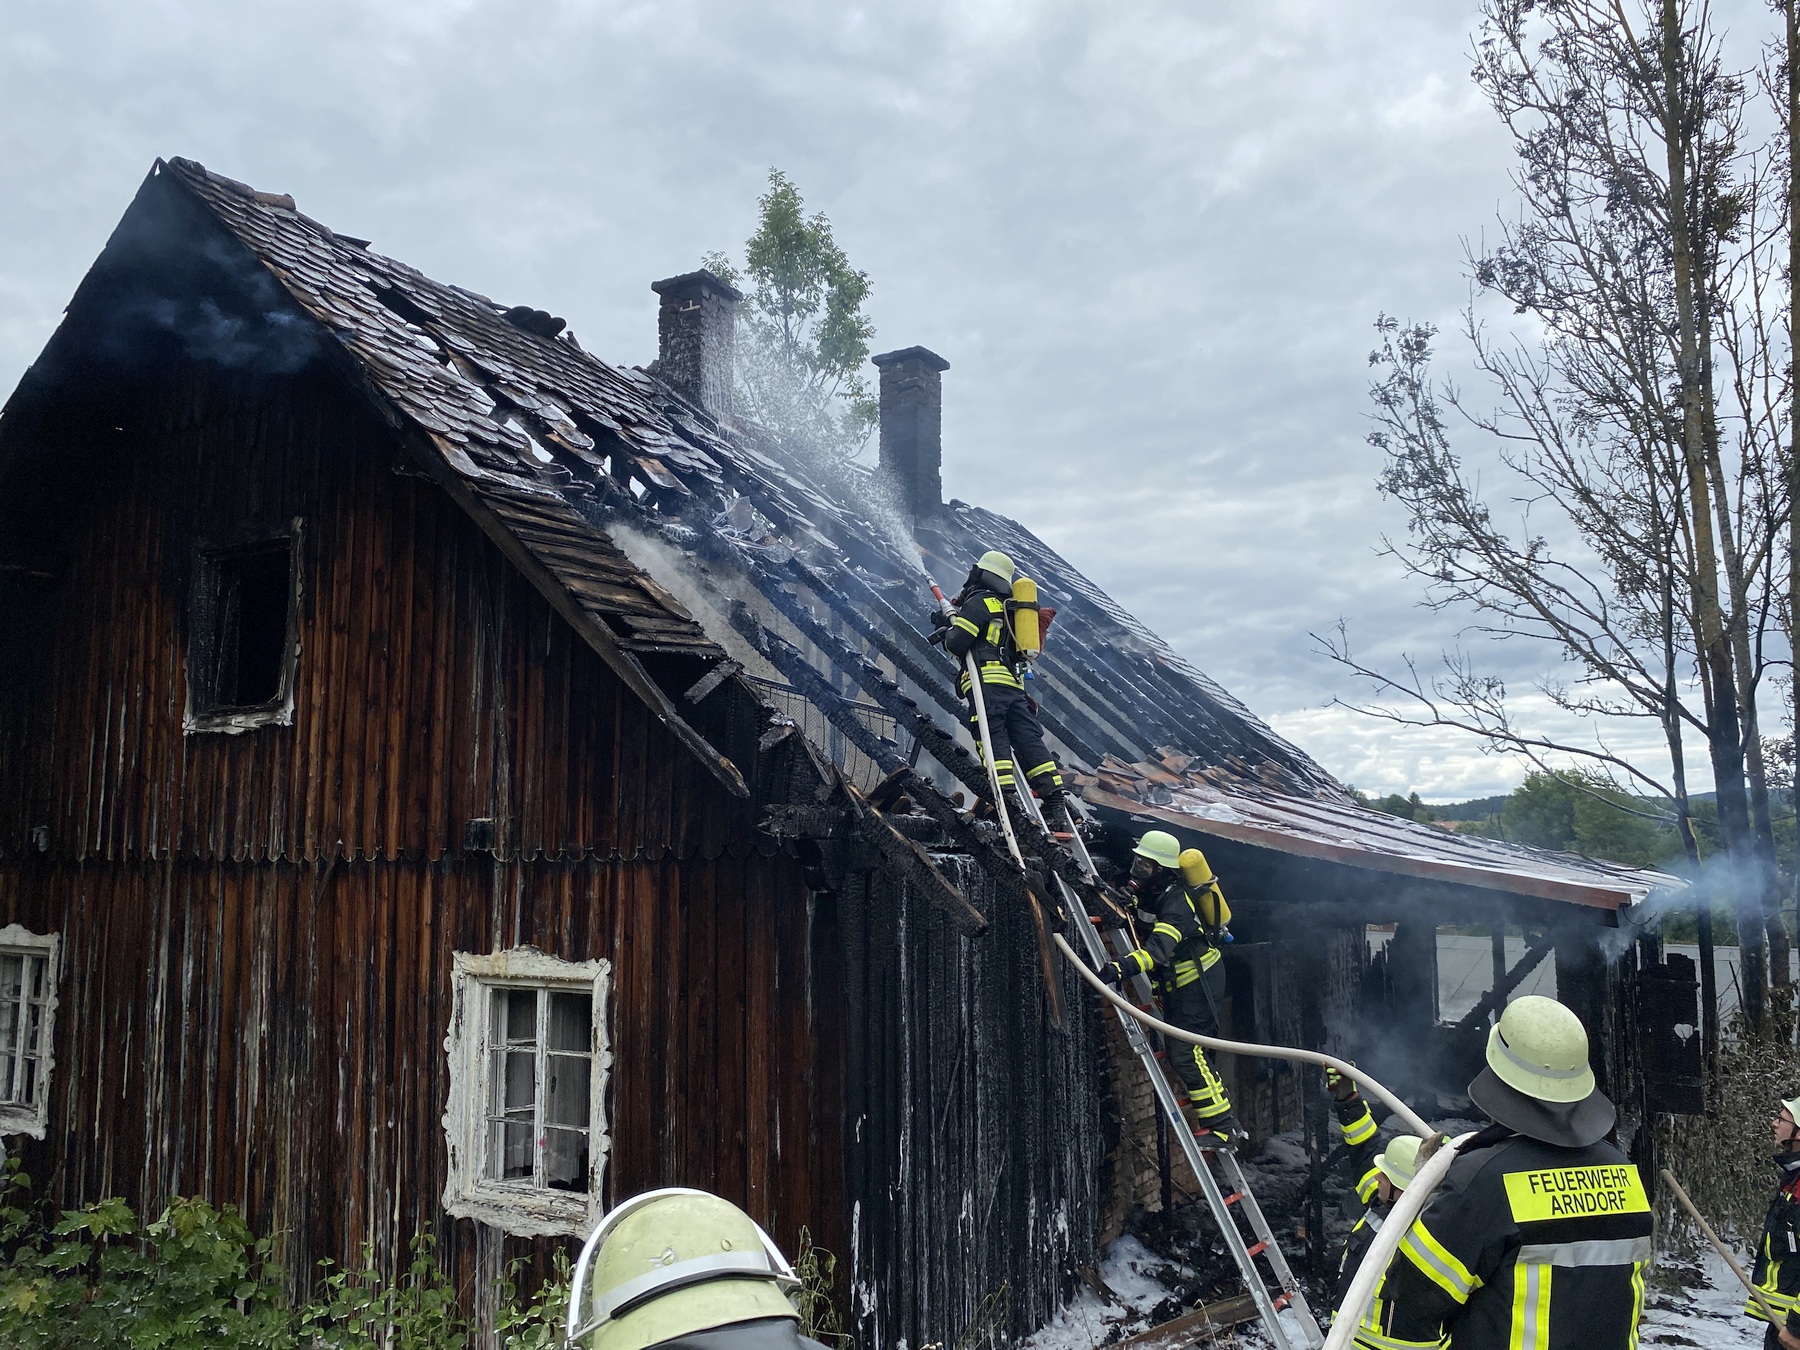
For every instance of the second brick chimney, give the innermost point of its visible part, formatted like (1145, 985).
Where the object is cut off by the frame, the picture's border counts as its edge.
(912, 427)
(696, 326)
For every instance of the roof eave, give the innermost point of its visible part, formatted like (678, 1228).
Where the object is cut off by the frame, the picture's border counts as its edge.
(1591, 895)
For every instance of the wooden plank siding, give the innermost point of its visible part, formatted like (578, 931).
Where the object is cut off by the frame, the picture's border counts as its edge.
(434, 685)
(975, 1128)
(259, 926)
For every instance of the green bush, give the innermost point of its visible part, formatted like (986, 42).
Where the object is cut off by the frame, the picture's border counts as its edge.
(197, 1278)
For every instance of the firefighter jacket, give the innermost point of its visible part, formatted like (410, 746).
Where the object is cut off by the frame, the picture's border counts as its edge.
(1356, 1123)
(1777, 1271)
(1181, 945)
(981, 627)
(1526, 1247)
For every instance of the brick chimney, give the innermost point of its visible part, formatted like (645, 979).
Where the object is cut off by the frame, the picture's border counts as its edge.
(695, 327)
(912, 427)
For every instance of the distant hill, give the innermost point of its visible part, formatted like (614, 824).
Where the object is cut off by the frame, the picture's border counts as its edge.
(1481, 808)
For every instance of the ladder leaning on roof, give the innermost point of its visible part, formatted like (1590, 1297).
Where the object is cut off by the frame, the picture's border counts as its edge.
(1225, 1205)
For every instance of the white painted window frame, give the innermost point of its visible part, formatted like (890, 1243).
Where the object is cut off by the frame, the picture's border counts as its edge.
(524, 1210)
(33, 1118)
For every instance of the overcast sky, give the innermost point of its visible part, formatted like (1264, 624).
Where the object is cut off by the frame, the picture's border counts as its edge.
(1149, 238)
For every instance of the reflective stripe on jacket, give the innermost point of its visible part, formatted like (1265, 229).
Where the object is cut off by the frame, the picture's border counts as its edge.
(1356, 1123)
(980, 627)
(1179, 948)
(1526, 1247)
(1777, 1270)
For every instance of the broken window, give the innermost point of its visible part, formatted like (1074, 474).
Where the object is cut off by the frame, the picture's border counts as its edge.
(528, 1062)
(28, 970)
(242, 644)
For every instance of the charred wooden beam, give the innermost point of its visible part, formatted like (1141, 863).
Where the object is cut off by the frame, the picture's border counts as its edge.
(1045, 851)
(920, 666)
(1535, 950)
(916, 865)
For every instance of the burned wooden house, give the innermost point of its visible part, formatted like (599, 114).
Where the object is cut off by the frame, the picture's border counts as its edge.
(448, 779)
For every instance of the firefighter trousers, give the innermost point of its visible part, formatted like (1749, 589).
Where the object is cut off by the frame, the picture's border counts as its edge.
(1018, 737)
(1191, 1009)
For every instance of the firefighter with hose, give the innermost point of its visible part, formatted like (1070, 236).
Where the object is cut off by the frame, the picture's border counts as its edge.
(989, 613)
(680, 1269)
(1188, 917)
(1540, 1234)
(1382, 1174)
(1777, 1271)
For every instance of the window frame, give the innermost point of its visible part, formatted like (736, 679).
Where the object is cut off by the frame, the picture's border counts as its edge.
(33, 1118)
(203, 656)
(521, 1209)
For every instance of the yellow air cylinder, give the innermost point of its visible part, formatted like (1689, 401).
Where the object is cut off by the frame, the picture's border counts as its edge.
(1028, 636)
(1197, 873)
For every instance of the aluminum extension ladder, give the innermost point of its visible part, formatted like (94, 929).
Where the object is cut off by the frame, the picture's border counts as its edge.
(1220, 1201)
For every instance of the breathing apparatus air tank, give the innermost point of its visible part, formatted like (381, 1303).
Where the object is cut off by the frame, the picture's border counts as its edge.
(1197, 873)
(1028, 635)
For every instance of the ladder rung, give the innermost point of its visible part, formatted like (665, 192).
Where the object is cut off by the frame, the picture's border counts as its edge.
(1233, 1198)
(1257, 1249)
(1281, 1301)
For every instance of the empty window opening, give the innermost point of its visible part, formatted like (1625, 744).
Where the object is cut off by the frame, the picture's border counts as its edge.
(243, 643)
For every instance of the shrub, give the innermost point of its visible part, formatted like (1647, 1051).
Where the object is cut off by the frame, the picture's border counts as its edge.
(197, 1278)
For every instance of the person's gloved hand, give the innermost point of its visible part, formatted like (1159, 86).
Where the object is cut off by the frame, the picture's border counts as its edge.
(1429, 1147)
(939, 619)
(1341, 1085)
(1148, 917)
(1112, 973)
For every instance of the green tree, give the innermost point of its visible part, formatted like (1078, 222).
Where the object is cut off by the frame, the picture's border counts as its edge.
(803, 339)
(1541, 812)
(1407, 808)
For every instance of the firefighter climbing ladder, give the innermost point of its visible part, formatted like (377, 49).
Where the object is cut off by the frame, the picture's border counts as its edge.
(1221, 1202)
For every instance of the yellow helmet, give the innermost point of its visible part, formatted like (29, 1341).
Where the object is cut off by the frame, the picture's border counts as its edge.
(998, 565)
(1540, 1048)
(670, 1263)
(1160, 847)
(1399, 1161)
(1538, 1081)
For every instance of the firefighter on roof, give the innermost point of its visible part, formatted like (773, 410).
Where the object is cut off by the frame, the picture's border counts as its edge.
(1539, 1238)
(1381, 1175)
(1189, 914)
(990, 614)
(680, 1269)
(1777, 1271)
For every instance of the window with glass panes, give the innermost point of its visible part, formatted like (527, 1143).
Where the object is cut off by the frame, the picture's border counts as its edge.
(27, 1010)
(540, 1063)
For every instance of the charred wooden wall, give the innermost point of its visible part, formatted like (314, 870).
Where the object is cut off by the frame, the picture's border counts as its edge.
(974, 1126)
(258, 927)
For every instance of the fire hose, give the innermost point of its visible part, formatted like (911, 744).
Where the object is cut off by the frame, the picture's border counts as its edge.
(1408, 1205)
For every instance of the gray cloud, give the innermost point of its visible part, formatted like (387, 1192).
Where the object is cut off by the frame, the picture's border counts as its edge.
(1149, 237)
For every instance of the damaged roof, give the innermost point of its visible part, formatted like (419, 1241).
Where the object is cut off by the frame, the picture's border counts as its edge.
(567, 452)
(1174, 791)
(688, 552)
